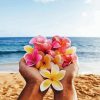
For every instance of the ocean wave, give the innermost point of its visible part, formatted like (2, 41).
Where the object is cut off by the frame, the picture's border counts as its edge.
(88, 52)
(9, 52)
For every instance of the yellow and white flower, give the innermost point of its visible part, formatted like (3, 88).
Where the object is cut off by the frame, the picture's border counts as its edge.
(52, 78)
(70, 50)
(28, 49)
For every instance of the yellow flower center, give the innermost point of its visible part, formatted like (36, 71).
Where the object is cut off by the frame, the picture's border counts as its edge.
(53, 77)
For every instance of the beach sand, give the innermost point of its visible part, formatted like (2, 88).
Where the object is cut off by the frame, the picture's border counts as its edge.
(87, 86)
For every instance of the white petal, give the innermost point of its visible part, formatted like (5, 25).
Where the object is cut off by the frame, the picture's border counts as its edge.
(57, 85)
(45, 85)
(54, 68)
(45, 73)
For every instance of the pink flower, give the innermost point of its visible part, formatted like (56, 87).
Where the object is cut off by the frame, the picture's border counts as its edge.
(41, 43)
(68, 59)
(32, 58)
(52, 53)
(60, 43)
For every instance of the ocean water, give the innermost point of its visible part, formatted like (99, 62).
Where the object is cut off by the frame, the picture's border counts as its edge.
(88, 49)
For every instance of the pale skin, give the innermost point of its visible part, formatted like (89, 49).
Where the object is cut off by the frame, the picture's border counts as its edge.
(33, 80)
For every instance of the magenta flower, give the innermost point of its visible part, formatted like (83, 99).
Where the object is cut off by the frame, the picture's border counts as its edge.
(32, 58)
(41, 43)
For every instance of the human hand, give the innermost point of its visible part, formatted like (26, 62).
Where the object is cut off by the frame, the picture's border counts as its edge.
(33, 80)
(30, 74)
(68, 92)
(71, 72)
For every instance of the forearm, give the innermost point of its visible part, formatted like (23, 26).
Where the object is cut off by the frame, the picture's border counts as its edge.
(31, 91)
(68, 93)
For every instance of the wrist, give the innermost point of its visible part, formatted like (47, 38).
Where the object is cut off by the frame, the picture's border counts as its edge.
(34, 83)
(68, 89)
(35, 91)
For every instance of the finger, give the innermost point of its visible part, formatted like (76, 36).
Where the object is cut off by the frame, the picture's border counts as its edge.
(22, 62)
(22, 65)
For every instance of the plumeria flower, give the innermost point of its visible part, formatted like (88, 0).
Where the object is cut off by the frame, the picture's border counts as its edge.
(45, 63)
(58, 60)
(52, 78)
(32, 58)
(60, 43)
(41, 43)
(28, 49)
(68, 59)
(69, 56)
(70, 50)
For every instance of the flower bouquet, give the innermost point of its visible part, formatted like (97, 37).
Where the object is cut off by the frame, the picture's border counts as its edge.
(50, 57)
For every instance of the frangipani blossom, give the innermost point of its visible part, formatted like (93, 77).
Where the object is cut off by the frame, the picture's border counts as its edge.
(68, 59)
(28, 49)
(69, 56)
(60, 43)
(58, 60)
(32, 58)
(38, 39)
(45, 63)
(70, 50)
(52, 78)
(41, 43)
(57, 50)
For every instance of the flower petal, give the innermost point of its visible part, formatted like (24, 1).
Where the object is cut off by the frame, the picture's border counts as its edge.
(28, 49)
(29, 59)
(54, 68)
(28, 56)
(47, 59)
(45, 73)
(55, 44)
(37, 57)
(57, 59)
(71, 50)
(45, 85)
(32, 41)
(60, 75)
(57, 85)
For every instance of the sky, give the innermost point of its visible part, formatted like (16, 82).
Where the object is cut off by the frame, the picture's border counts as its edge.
(50, 17)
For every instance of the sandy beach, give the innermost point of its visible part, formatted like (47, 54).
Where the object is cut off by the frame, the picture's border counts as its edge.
(87, 86)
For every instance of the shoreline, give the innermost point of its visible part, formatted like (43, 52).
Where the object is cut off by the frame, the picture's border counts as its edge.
(84, 68)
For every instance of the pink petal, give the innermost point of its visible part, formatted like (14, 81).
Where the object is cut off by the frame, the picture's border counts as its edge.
(51, 52)
(68, 40)
(36, 56)
(41, 39)
(56, 44)
(56, 38)
(65, 64)
(28, 56)
(37, 46)
(32, 41)
(67, 60)
(29, 59)
(46, 46)
(29, 63)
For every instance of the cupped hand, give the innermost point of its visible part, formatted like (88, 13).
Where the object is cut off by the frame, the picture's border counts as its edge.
(71, 72)
(30, 74)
